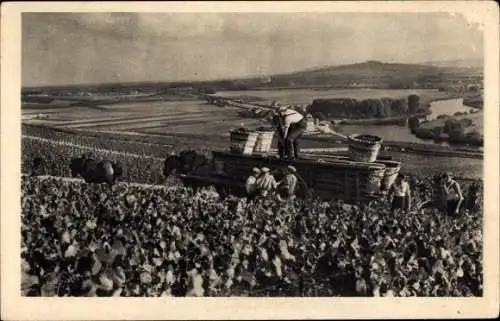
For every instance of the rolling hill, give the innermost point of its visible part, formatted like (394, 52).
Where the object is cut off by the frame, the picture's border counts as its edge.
(377, 74)
(372, 74)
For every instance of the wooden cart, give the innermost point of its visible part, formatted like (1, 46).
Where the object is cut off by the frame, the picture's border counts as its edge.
(336, 178)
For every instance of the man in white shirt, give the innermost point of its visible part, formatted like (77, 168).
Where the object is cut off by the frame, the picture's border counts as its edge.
(294, 124)
(251, 182)
(266, 184)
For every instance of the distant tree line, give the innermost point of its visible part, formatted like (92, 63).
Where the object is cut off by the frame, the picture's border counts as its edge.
(368, 108)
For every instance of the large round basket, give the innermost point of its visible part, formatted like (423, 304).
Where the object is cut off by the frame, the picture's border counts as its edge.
(264, 141)
(374, 181)
(242, 142)
(364, 148)
(392, 169)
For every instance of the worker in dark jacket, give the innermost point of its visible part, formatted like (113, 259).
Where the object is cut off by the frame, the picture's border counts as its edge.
(294, 125)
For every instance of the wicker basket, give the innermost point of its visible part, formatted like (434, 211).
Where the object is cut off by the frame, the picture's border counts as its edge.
(391, 172)
(364, 148)
(264, 141)
(242, 142)
(374, 181)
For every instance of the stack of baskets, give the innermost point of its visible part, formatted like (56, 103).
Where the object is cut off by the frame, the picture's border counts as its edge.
(242, 141)
(391, 172)
(246, 142)
(374, 180)
(264, 140)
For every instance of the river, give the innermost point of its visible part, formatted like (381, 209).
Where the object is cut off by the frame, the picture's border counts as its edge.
(402, 133)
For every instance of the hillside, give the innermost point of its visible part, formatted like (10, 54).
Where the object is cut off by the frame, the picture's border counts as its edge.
(377, 74)
(371, 74)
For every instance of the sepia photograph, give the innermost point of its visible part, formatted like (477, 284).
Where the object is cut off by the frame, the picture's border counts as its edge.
(250, 154)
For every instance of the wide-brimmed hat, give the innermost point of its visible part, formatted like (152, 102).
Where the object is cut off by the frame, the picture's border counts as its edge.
(292, 169)
(264, 170)
(256, 170)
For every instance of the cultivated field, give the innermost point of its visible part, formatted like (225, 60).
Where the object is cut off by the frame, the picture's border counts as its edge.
(150, 118)
(190, 117)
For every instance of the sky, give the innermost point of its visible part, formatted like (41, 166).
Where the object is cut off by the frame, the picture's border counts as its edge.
(79, 48)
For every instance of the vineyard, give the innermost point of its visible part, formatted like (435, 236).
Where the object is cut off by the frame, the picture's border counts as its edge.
(238, 248)
(85, 240)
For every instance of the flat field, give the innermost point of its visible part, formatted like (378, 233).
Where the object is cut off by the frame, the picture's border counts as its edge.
(191, 117)
(188, 117)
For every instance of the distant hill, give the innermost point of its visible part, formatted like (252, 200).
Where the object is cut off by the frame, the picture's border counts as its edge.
(373, 74)
(376, 74)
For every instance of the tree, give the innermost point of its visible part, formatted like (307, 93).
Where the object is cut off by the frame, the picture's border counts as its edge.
(413, 123)
(424, 133)
(466, 122)
(398, 107)
(209, 90)
(474, 138)
(456, 134)
(413, 103)
(450, 125)
(437, 131)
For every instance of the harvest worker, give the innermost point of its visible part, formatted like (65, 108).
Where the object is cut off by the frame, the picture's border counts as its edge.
(454, 197)
(266, 183)
(276, 120)
(294, 124)
(400, 191)
(251, 182)
(289, 183)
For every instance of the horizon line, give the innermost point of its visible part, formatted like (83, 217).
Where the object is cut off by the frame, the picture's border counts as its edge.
(251, 76)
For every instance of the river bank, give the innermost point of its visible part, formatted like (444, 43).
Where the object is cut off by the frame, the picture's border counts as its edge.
(468, 119)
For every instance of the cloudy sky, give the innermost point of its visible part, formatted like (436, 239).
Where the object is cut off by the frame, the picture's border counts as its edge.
(74, 48)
